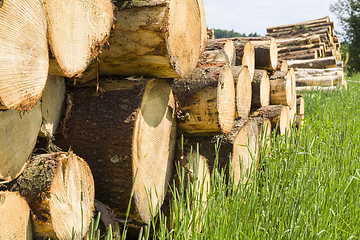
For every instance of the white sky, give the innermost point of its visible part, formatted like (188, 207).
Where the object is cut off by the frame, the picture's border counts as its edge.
(249, 16)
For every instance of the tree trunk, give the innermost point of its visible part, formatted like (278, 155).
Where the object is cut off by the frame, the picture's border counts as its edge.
(127, 134)
(300, 105)
(59, 188)
(15, 221)
(153, 38)
(24, 53)
(245, 54)
(265, 54)
(214, 57)
(52, 105)
(77, 31)
(282, 88)
(298, 48)
(282, 65)
(323, 81)
(206, 100)
(18, 134)
(299, 56)
(242, 142)
(243, 90)
(260, 89)
(306, 23)
(223, 44)
(315, 88)
(277, 114)
(329, 62)
(291, 42)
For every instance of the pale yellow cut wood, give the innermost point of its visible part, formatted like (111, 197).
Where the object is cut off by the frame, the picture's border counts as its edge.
(207, 100)
(266, 55)
(307, 23)
(52, 105)
(15, 221)
(59, 188)
(153, 38)
(18, 134)
(77, 31)
(24, 58)
(243, 90)
(226, 45)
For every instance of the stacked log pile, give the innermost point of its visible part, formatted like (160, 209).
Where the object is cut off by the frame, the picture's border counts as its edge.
(311, 45)
(123, 81)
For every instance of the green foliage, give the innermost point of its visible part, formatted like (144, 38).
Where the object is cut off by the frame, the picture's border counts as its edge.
(348, 12)
(220, 33)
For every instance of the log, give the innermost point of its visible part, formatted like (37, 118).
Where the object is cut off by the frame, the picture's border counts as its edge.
(297, 56)
(18, 134)
(226, 45)
(152, 38)
(214, 57)
(282, 65)
(282, 88)
(243, 90)
(329, 62)
(59, 188)
(300, 105)
(206, 100)
(260, 89)
(290, 42)
(24, 53)
(52, 105)
(265, 54)
(298, 48)
(315, 88)
(77, 31)
(264, 130)
(277, 114)
(245, 55)
(15, 221)
(210, 33)
(242, 142)
(127, 135)
(323, 81)
(308, 23)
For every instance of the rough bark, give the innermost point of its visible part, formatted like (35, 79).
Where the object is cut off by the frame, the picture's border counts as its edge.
(214, 57)
(59, 188)
(243, 91)
(298, 48)
(52, 105)
(277, 114)
(322, 63)
(282, 88)
(206, 100)
(15, 221)
(226, 45)
(18, 134)
(77, 31)
(127, 134)
(260, 89)
(24, 53)
(153, 38)
(291, 42)
(306, 23)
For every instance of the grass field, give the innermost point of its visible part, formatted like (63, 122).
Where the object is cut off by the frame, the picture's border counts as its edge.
(308, 186)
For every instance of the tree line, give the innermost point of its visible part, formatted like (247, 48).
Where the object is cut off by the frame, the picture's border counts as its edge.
(348, 12)
(221, 33)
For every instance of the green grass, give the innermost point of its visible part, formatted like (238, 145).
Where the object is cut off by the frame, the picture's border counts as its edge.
(307, 187)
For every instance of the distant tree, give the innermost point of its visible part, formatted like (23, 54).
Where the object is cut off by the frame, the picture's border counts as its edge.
(220, 33)
(348, 12)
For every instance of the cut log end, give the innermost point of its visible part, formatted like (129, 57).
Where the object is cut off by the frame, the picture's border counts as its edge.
(243, 90)
(260, 89)
(23, 54)
(60, 190)
(154, 140)
(15, 221)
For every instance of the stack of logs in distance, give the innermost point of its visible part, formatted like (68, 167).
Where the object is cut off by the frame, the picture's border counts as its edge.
(123, 82)
(313, 50)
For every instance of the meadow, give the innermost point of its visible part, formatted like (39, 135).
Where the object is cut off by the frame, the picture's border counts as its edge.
(306, 186)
